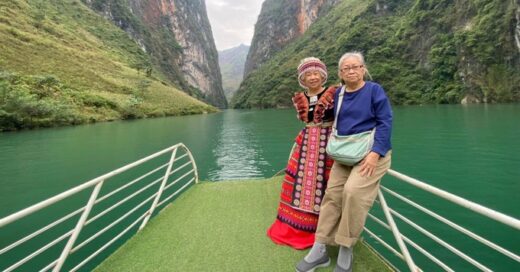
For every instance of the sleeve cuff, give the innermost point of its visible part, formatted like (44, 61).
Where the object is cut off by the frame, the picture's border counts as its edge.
(379, 151)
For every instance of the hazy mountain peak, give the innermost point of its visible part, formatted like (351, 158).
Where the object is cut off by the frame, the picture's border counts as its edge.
(231, 63)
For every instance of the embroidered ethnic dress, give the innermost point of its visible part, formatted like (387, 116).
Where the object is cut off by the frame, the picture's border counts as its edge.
(304, 184)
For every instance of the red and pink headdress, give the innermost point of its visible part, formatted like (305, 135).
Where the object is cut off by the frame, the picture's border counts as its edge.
(311, 64)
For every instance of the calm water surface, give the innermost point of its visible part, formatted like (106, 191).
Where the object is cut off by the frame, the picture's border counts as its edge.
(472, 151)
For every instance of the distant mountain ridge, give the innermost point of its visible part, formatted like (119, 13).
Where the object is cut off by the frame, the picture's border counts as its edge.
(231, 62)
(420, 51)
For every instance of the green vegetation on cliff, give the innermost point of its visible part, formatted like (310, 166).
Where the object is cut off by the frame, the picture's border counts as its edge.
(161, 44)
(421, 51)
(61, 63)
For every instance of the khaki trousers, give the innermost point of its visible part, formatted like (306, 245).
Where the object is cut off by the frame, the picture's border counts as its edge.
(346, 203)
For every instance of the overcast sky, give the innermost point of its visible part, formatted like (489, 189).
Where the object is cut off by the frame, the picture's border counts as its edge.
(233, 21)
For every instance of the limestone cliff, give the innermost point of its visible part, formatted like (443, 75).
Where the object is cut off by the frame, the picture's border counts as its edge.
(279, 23)
(177, 35)
(421, 51)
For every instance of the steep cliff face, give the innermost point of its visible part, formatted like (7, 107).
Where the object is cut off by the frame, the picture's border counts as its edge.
(199, 58)
(177, 35)
(279, 23)
(464, 49)
(61, 63)
(421, 51)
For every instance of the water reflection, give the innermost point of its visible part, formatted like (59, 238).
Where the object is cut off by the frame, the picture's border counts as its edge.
(237, 151)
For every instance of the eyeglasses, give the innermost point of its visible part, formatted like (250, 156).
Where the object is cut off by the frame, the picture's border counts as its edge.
(353, 67)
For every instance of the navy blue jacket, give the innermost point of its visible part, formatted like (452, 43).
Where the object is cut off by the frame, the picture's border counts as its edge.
(363, 110)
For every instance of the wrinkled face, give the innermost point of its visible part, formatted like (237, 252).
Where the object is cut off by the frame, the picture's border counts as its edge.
(352, 70)
(312, 79)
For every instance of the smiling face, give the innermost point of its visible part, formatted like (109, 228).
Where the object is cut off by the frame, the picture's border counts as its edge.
(352, 71)
(312, 80)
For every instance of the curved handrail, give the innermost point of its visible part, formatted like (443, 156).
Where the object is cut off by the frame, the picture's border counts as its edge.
(84, 219)
(400, 238)
(500, 217)
(191, 173)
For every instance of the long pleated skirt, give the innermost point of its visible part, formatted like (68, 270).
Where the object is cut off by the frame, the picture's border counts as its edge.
(303, 187)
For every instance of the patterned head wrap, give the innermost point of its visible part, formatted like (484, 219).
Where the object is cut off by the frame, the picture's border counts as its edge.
(311, 64)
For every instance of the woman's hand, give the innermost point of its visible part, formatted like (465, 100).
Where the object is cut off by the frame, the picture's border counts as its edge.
(368, 164)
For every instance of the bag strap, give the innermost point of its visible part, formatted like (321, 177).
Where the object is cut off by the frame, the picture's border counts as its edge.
(340, 101)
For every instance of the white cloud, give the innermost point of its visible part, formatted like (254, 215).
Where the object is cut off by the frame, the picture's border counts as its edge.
(217, 3)
(232, 21)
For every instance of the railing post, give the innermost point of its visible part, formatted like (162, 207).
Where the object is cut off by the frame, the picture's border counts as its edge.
(66, 251)
(161, 188)
(196, 173)
(397, 234)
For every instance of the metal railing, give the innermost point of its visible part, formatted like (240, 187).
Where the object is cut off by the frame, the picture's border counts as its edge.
(189, 176)
(185, 172)
(403, 240)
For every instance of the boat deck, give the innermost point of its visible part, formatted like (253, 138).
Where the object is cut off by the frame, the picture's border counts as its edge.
(219, 226)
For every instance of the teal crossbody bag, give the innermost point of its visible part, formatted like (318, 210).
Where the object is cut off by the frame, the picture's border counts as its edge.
(349, 149)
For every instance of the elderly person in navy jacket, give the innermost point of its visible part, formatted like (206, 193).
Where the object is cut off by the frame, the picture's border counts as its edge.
(352, 190)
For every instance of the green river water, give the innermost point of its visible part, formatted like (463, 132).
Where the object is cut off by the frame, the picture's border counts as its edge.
(472, 151)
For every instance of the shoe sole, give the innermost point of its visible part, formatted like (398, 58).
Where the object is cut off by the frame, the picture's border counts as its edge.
(318, 266)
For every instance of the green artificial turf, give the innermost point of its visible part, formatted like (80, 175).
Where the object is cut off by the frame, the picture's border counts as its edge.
(219, 226)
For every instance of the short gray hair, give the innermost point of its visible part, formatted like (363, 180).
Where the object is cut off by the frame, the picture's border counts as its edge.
(356, 54)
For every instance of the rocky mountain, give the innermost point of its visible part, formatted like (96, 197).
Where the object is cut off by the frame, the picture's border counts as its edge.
(61, 63)
(279, 23)
(421, 51)
(177, 35)
(231, 62)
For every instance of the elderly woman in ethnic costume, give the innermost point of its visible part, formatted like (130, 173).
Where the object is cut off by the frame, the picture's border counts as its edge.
(352, 189)
(308, 168)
